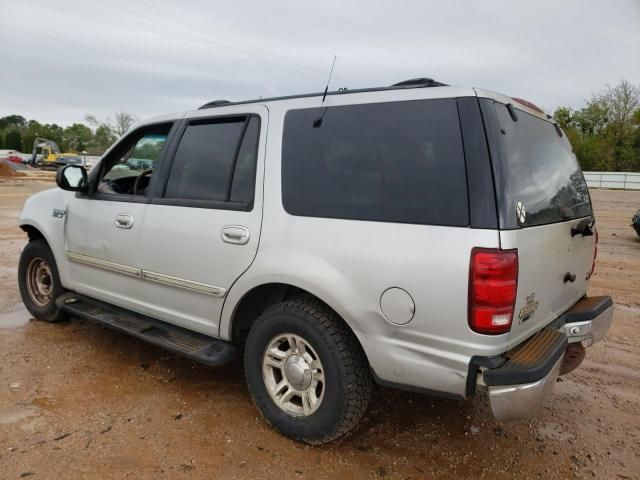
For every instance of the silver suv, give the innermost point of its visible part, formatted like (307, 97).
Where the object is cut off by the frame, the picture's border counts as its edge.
(420, 236)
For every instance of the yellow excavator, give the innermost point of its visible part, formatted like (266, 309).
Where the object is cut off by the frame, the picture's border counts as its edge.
(46, 153)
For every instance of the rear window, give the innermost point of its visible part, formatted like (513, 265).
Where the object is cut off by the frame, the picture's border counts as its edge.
(216, 161)
(389, 162)
(539, 179)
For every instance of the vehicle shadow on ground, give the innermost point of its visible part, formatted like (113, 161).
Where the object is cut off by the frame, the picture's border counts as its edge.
(394, 412)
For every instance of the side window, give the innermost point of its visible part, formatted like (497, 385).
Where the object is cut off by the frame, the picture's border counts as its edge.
(244, 177)
(391, 162)
(215, 162)
(128, 169)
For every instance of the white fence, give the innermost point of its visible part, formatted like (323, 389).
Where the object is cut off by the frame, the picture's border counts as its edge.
(621, 180)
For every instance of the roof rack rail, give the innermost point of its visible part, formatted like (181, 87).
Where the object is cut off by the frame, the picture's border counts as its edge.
(419, 82)
(214, 103)
(413, 83)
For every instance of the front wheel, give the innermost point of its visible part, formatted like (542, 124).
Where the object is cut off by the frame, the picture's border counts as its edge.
(39, 281)
(306, 371)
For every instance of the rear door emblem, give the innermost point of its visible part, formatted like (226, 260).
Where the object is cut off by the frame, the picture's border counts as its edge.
(530, 307)
(521, 212)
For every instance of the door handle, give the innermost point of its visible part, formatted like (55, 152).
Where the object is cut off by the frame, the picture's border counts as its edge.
(124, 220)
(236, 234)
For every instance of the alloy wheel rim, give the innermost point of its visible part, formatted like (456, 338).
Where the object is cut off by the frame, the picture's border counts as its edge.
(39, 282)
(293, 374)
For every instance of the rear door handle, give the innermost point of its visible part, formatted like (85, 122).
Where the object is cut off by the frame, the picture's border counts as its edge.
(584, 228)
(236, 234)
(124, 220)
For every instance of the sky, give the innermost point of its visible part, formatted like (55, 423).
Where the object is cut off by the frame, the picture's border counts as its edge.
(63, 59)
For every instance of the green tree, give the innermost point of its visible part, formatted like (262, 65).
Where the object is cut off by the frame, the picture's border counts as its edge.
(13, 139)
(77, 137)
(103, 138)
(17, 120)
(605, 133)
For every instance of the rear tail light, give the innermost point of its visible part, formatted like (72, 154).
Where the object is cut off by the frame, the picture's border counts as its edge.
(595, 254)
(493, 284)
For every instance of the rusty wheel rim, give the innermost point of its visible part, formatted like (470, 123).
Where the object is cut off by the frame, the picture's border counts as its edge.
(39, 282)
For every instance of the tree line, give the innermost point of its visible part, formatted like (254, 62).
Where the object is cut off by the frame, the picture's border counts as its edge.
(605, 133)
(94, 137)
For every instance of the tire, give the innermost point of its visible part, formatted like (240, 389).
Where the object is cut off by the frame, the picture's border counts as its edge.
(343, 393)
(39, 281)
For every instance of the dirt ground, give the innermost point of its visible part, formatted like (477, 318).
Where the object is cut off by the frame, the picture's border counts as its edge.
(81, 401)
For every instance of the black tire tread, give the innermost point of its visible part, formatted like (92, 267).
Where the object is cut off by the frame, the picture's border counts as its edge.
(345, 346)
(49, 313)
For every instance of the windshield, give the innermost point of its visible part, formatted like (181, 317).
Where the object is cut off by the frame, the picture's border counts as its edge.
(539, 179)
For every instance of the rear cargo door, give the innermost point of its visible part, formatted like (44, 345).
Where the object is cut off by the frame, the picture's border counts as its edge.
(545, 213)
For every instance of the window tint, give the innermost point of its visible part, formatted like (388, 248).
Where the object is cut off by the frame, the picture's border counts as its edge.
(244, 177)
(393, 162)
(204, 161)
(538, 171)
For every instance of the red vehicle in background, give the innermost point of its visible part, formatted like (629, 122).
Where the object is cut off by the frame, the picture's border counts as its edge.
(11, 155)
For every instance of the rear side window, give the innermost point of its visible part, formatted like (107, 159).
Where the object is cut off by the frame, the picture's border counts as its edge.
(215, 161)
(389, 162)
(539, 179)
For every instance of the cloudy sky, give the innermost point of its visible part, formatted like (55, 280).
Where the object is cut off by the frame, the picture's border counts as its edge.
(62, 59)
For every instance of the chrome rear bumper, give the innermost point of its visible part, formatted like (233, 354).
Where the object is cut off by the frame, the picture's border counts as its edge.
(518, 402)
(587, 322)
(589, 331)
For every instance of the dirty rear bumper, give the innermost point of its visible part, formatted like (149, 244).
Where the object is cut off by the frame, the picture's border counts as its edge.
(520, 385)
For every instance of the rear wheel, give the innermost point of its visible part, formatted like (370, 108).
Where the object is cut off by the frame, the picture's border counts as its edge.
(39, 281)
(306, 371)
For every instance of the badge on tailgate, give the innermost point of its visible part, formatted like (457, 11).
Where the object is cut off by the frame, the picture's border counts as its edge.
(530, 307)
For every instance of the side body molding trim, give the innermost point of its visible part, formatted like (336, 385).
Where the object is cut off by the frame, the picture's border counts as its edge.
(160, 278)
(104, 264)
(183, 283)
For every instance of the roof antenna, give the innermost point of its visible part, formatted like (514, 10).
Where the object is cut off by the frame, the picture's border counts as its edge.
(318, 121)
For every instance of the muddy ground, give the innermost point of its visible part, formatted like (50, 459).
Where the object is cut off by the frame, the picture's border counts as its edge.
(80, 401)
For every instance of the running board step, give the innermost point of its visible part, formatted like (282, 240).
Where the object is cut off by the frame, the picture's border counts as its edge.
(196, 346)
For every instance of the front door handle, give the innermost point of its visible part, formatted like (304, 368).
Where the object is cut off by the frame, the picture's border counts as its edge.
(236, 234)
(124, 220)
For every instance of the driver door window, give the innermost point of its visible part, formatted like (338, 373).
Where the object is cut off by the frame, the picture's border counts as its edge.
(129, 168)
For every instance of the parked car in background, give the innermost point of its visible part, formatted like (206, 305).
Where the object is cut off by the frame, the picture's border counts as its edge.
(418, 236)
(635, 222)
(68, 159)
(11, 155)
(139, 164)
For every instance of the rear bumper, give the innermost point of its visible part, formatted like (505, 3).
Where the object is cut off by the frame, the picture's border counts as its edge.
(518, 402)
(520, 385)
(588, 321)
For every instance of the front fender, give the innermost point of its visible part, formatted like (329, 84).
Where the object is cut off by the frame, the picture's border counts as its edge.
(38, 213)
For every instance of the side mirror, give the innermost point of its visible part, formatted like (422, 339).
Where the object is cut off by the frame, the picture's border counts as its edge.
(72, 178)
